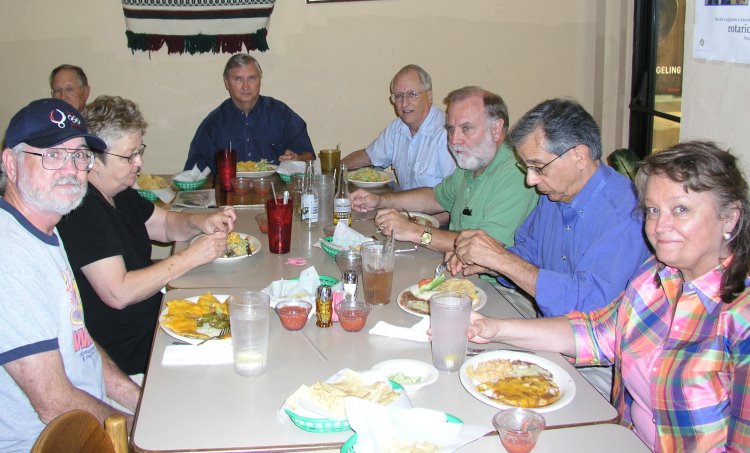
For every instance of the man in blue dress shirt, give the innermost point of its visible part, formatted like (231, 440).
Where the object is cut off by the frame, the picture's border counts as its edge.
(257, 127)
(415, 143)
(579, 247)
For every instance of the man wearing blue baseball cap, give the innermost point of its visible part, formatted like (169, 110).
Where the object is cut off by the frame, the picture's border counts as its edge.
(50, 364)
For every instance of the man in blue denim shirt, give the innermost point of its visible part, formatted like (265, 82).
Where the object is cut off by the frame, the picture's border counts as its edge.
(257, 127)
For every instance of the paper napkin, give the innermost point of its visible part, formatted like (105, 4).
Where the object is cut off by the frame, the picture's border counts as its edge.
(290, 167)
(303, 288)
(347, 238)
(192, 175)
(417, 332)
(212, 352)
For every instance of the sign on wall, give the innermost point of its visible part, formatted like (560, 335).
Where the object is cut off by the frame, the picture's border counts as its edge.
(197, 26)
(722, 30)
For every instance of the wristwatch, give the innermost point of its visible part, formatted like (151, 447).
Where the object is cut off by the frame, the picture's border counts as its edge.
(426, 237)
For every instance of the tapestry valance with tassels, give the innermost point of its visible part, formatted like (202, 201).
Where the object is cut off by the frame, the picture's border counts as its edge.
(197, 26)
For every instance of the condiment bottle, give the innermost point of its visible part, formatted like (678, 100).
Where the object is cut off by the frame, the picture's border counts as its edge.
(310, 200)
(342, 205)
(349, 278)
(324, 306)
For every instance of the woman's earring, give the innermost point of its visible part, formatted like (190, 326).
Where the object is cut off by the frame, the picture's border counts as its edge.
(727, 236)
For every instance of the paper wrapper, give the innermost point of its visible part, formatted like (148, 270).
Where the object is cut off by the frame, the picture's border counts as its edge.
(417, 332)
(348, 238)
(304, 288)
(192, 175)
(290, 167)
(395, 429)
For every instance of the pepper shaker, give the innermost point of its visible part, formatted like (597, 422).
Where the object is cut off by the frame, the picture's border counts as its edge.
(324, 306)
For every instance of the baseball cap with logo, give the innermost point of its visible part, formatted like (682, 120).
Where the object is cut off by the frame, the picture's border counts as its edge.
(48, 122)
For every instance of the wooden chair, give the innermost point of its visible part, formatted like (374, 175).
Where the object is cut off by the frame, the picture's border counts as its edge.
(78, 431)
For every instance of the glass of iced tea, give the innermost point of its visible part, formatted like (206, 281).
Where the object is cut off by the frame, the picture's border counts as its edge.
(377, 272)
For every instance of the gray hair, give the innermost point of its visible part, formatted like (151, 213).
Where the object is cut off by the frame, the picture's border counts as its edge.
(18, 149)
(424, 77)
(111, 117)
(239, 60)
(565, 124)
(82, 79)
(494, 106)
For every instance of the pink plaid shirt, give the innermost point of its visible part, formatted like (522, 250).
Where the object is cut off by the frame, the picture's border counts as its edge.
(700, 382)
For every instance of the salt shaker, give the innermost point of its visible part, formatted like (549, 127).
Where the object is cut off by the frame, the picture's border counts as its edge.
(349, 277)
(324, 306)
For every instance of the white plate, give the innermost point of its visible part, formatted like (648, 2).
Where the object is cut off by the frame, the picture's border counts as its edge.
(173, 334)
(432, 221)
(474, 306)
(254, 246)
(256, 174)
(427, 372)
(559, 376)
(373, 184)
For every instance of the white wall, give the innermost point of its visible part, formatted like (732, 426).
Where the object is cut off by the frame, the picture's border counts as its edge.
(715, 100)
(332, 62)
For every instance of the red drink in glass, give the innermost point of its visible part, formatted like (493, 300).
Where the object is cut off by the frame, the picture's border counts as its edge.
(226, 168)
(279, 225)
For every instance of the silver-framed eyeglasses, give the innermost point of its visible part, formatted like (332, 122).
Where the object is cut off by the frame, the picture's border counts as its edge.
(131, 157)
(411, 95)
(539, 171)
(56, 158)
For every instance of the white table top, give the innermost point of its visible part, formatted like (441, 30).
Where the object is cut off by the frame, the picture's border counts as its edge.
(580, 439)
(212, 408)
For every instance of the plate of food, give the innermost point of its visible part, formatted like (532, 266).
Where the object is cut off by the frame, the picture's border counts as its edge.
(239, 246)
(195, 319)
(250, 169)
(319, 407)
(416, 298)
(505, 379)
(422, 219)
(368, 177)
(412, 375)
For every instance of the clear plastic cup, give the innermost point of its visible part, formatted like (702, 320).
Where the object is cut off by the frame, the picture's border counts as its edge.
(249, 315)
(377, 272)
(449, 321)
(518, 428)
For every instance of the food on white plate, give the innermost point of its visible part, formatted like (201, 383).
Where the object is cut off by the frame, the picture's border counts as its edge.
(250, 166)
(202, 319)
(329, 396)
(515, 383)
(236, 245)
(417, 298)
(368, 174)
(151, 182)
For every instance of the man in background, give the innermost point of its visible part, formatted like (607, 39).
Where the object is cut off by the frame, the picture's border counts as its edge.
(50, 364)
(256, 127)
(415, 143)
(485, 192)
(69, 83)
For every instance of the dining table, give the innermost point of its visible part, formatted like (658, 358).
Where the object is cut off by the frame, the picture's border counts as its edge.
(212, 408)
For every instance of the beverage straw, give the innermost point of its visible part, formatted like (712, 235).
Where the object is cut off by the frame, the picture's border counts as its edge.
(273, 189)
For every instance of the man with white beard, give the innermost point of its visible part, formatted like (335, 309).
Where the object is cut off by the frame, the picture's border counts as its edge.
(486, 192)
(50, 364)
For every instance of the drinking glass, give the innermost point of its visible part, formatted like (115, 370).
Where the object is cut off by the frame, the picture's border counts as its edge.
(449, 321)
(329, 160)
(279, 225)
(249, 321)
(377, 272)
(226, 167)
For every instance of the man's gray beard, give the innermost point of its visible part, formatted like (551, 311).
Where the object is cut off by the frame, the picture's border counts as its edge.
(479, 157)
(42, 201)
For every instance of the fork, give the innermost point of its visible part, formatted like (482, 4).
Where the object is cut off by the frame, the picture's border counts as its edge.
(222, 332)
(440, 268)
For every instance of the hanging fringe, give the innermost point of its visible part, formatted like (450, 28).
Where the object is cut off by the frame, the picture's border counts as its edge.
(193, 44)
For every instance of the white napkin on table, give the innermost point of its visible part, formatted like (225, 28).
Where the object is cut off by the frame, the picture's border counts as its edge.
(290, 167)
(417, 332)
(380, 429)
(304, 288)
(347, 237)
(192, 175)
(212, 352)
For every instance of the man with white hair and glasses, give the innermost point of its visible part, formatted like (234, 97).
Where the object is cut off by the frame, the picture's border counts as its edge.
(50, 364)
(415, 143)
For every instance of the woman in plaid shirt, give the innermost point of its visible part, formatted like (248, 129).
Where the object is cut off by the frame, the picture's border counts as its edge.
(678, 334)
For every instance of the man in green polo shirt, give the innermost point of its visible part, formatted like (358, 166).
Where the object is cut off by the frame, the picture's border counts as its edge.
(486, 192)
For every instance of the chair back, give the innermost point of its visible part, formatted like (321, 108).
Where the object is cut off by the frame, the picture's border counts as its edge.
(78, 431)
